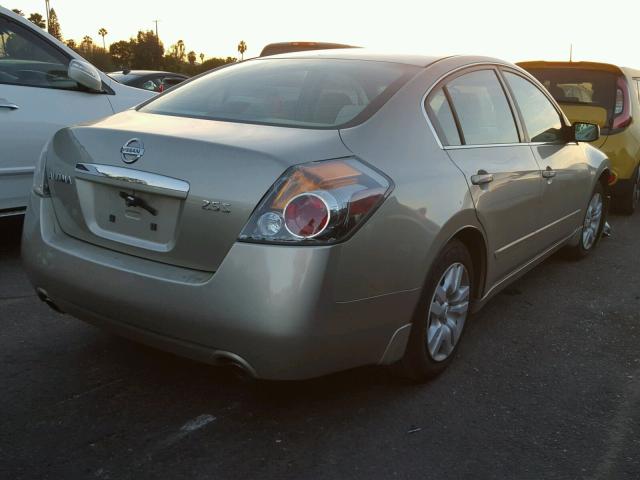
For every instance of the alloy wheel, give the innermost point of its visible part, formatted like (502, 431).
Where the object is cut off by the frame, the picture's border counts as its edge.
(448, 312)
(592, 221)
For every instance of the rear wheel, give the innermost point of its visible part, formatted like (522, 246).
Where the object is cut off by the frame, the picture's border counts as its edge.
(593, 223)
(629, 201)
(441, 315)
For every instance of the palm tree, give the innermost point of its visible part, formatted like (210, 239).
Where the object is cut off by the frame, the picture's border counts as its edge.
(242, 47)
(202, 58)
(103, 32)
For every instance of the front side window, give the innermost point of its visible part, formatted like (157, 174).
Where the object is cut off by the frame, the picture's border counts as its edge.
(442, 118)
(541, 119)
(325, 93)
(482, 109)
(28, 60)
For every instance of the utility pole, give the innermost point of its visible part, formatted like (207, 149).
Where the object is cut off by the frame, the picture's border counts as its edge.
(47, 7)
(571, 52)
(156, 22)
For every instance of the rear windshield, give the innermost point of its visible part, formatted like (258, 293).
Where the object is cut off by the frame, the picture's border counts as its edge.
(580, 87)
(308, 93)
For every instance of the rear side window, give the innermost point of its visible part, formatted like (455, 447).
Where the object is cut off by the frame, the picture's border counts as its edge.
(442, 118)
(482, 109)
(540, 117)
(27, 59)
(325, 93)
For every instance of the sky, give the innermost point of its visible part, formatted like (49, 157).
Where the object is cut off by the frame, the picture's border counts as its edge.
(511, 30)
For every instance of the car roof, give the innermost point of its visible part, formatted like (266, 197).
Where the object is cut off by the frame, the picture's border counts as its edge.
(365, 54)
(358, 54)
(606, 67)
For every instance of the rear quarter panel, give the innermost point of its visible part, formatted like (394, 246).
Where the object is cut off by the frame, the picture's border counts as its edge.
(429, 204)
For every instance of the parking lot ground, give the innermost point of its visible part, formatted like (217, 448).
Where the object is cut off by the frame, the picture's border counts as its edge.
(546, 385)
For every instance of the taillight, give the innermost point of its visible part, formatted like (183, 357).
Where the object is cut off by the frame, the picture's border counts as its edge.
(317, 203)
(40, 181)
(622, 108)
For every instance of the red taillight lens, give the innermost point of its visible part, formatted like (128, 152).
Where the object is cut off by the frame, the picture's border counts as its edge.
(306, 216)
(317, 203)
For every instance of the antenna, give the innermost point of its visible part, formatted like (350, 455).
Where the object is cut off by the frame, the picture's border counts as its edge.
(156, 22)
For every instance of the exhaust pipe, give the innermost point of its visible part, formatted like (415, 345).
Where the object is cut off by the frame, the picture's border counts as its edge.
(236, 365)
(44, 296)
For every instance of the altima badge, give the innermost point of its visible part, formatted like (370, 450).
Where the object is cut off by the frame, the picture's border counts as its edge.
(59, 177)
(132, 151)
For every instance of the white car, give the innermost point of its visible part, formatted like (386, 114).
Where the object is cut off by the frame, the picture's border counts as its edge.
(44, 86)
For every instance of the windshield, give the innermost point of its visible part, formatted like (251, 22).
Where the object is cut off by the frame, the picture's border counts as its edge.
(580, 87)
(307, 93)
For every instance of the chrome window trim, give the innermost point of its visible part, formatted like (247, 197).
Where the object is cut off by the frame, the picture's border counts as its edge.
(499, 66)
(435, 84)
(484, 145)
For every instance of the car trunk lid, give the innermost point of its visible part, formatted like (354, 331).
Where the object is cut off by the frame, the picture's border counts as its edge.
(186, 198)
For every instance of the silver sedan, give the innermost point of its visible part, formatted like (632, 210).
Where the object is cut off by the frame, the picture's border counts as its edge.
(306, 213)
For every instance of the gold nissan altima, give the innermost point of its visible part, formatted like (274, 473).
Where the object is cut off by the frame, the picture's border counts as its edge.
(305, 213)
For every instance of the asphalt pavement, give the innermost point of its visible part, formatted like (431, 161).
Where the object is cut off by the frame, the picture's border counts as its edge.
(546, 385)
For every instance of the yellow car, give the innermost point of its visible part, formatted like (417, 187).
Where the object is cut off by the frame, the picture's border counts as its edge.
(609, 96)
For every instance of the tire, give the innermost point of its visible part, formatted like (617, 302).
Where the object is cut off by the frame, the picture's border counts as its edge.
(628, 202)
(592, 224)
(432, 325)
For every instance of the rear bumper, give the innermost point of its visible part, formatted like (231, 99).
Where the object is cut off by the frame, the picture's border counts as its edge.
(269, 308)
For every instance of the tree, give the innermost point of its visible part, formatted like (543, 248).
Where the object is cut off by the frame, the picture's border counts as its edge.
(18, 11)
(103, 32)
(37, 19)
(242, 47)
(54, 25)
(122, 53)
(71, 43)
(202, 58)
(87, 43)
(147, 51)
(215, 62)
(191, 57)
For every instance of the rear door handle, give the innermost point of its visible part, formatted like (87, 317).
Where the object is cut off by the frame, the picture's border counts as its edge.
(548, 173)
(481, 178)
(7, 104)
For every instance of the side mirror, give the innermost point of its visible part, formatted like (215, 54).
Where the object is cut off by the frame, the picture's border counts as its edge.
(85, 74)
(585, 132)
